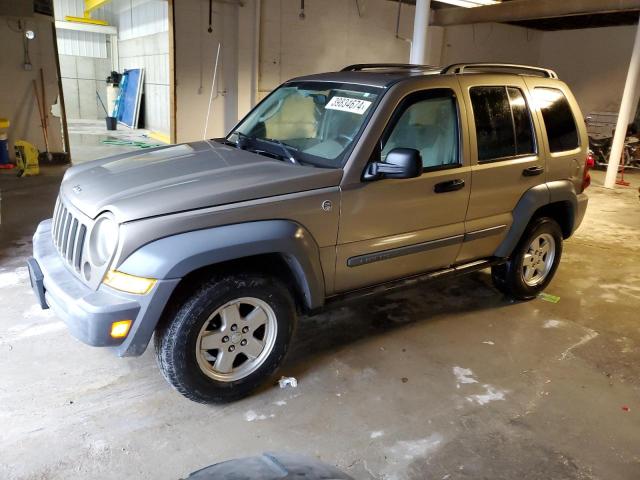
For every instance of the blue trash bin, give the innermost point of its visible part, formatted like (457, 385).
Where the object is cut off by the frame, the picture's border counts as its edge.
(4, 149)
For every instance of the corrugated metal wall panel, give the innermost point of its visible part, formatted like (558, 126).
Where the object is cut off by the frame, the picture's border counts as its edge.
(75, 8)
(145, 18)
(143, 27)
(81, 44)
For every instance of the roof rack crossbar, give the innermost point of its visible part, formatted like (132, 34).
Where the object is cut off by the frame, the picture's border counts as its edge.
(372, 66)
(526, 69)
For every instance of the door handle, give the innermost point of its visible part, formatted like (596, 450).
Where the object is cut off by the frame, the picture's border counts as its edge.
(532, 171)
(449, 186)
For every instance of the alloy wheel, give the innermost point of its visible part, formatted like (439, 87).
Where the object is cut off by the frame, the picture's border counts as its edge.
(236, 339)
(537, 261)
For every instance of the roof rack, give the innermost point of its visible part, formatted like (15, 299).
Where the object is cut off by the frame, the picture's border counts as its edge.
(525, 69)
(358, 67)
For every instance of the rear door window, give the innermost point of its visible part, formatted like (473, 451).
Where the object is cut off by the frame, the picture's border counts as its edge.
(503, 123)
(494, 125)
(558, 119)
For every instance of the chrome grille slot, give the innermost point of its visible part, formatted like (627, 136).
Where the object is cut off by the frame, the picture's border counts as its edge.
(63, 220)
(69, 234)
(65, 233)
(56, 214)
(79, 247)
(72, 240)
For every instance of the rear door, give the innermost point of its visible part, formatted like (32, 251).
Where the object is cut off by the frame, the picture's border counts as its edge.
(505, 158)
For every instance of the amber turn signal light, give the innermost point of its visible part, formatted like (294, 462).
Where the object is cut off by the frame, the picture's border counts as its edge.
(120, 329)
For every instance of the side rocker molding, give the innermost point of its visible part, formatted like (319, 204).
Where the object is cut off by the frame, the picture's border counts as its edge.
(178, 255)
(532, 200)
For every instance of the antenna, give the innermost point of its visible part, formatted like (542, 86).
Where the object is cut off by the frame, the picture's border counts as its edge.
(213, 84)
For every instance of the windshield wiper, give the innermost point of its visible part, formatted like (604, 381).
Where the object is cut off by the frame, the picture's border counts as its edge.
(285, 148)
(244, 140)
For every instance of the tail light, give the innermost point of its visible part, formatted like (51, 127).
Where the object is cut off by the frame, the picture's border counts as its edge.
(588, 165)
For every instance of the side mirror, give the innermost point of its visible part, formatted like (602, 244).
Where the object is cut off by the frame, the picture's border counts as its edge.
(400, 163)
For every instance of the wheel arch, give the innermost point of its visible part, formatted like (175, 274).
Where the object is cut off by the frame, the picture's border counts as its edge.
(557, 200)
(281, 247)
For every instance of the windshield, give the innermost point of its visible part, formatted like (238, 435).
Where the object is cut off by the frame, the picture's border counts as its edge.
(308, 122)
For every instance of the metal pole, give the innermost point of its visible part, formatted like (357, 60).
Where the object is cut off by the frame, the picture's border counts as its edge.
(626, 109)
(211, 96)
(418, 53)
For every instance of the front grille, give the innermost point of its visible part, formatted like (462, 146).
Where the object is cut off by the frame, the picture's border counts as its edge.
(68, 235)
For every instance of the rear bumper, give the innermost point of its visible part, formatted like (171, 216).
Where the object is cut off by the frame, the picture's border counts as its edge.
(583, 200)
(89, 313)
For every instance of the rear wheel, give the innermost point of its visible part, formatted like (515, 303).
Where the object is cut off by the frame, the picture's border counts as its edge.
(227, 338)
(533, 262)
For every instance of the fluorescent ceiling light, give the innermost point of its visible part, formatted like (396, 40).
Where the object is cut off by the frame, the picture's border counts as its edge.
(469, 3)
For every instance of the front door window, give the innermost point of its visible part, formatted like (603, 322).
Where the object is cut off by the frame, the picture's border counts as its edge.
(427, 122)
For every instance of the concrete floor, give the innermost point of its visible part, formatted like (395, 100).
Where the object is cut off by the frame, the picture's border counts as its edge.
(447, 381)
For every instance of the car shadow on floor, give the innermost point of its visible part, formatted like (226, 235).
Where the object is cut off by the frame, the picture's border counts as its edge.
(347, 323)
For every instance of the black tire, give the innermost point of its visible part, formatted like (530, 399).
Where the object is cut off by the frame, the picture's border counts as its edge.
(176, 339)
(509, 278)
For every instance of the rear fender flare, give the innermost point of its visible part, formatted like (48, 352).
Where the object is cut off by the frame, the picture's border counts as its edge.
(532, 200)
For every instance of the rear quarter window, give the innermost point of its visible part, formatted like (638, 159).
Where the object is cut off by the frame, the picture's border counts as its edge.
(562, 132)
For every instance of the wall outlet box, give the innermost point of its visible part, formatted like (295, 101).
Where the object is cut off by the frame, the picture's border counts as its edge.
(28, 67)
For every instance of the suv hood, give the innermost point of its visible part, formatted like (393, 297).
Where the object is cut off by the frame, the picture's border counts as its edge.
(184, 177)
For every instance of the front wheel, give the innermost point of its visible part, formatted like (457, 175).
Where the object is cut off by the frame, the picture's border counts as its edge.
(227, 338)
(533, 262)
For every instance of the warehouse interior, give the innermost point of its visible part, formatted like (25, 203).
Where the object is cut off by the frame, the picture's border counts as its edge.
(449, 379)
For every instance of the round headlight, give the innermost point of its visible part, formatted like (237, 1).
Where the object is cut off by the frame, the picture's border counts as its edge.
(103, 240)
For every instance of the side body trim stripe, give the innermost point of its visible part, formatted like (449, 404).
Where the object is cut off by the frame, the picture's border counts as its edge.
(365, 259)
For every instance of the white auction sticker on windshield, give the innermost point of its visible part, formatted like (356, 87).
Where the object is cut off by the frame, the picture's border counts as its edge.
(351, 105)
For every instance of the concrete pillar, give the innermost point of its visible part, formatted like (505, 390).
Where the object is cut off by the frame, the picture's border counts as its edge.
(419, 47)
(626, 110)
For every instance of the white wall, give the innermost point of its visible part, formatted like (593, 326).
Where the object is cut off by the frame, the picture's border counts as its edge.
(82, 77)
(85, 62)
(195, 52)
(143, 42)
(490, 42)
(331, 36)
(593, 62)
(83, 44)
(17, 100)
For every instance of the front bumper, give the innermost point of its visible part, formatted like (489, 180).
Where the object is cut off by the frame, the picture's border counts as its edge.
(89, 313)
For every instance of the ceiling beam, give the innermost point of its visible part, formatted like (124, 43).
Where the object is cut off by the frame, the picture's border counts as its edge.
(519, 10)
(91, 5)
(86, 27)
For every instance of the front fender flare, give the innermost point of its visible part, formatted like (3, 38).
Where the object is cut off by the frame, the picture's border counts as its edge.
(178, 255)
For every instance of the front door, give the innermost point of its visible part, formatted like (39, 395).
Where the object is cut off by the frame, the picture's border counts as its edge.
(392, 228)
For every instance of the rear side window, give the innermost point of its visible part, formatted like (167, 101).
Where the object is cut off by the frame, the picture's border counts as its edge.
(522, 122)
(558, 119)
(503, 123)
(494, 126)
